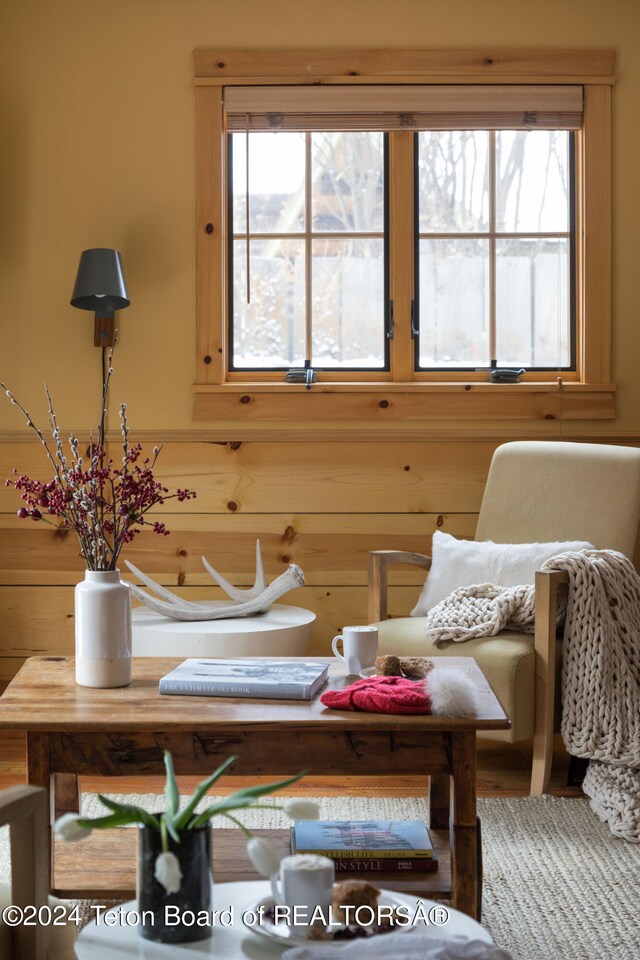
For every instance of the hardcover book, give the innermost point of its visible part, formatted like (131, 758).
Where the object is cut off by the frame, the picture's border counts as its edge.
(386, 865)
(361, 865)
(247, 677)
(363, 839)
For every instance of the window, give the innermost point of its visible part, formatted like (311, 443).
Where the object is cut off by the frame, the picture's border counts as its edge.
(308, 243)
(407, 234)
(495, 262)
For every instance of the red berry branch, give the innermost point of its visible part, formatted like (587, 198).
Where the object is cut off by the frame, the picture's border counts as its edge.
(105, 503)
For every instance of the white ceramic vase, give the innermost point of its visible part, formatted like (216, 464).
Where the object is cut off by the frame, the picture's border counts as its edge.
(103, 630)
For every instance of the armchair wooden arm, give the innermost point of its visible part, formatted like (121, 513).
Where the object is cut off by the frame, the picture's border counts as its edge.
(26, 810)
(379, 561)
(547, 585)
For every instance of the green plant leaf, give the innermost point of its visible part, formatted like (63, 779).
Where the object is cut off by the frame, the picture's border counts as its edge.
(168, 821)
(201, 791)
(261, 790)
(137, 814)
(171, 793)
(120, 819)
(242, 798)
(163, 835)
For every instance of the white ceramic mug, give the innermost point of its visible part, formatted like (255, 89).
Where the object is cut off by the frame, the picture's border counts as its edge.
(359, 647)
(306, 885)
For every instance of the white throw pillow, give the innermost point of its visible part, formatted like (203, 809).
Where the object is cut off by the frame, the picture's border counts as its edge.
(462, 563)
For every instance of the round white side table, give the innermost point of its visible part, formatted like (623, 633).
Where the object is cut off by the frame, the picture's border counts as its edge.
(101, 942)
(282, 631)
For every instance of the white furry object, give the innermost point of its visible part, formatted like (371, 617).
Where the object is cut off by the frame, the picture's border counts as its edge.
(452, 693)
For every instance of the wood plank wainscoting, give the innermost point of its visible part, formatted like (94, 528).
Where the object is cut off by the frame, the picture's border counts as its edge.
(320, 504)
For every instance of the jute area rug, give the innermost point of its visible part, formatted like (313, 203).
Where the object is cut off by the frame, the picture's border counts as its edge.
(557, 885)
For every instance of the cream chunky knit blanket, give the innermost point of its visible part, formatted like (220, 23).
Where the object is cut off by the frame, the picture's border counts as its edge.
(600, 667)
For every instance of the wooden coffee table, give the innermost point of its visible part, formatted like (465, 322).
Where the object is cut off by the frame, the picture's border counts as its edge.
(76, 731)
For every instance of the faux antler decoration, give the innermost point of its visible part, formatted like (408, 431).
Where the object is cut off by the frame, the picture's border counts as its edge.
(257, 599)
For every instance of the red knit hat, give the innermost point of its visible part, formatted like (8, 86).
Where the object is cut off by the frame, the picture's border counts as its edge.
(381, 695)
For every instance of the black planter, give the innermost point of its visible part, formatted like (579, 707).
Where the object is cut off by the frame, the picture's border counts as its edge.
(158, 909)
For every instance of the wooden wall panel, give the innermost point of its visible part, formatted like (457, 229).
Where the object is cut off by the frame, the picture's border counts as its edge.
(330, 548)
(367, 477)
(320, 505)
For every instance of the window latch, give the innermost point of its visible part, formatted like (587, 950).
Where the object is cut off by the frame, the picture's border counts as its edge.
(390, 320)
(414, 328)
(504, 374)
(306, 375)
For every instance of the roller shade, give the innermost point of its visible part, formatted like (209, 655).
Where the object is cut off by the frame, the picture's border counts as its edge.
(400, 107)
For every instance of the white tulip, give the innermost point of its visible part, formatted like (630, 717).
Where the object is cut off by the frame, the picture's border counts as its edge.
(167, 872)
(263, 856)
(302, 810)
(67, 828)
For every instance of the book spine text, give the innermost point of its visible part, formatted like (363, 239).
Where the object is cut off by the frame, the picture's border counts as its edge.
(272, 692)
(371, 854)
(375, 865)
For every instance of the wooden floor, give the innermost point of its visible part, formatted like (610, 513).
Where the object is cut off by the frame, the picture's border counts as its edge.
(503, 771)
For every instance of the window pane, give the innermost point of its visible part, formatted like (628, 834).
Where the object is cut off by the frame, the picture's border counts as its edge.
(269, 332)
(276, 182)
(532, 174)
(348, 303)
(454, 303)
(532, 303)
(347, 176)
(453, 181)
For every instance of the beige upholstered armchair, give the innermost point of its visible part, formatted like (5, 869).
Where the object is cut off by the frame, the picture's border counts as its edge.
(26, 811)
(537, 491)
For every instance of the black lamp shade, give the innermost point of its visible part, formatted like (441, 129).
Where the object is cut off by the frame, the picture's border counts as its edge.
(100, 282)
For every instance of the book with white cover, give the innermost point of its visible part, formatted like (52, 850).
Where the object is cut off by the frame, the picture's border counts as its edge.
(246, 677)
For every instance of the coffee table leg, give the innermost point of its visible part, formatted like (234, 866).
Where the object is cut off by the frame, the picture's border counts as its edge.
(39, 775)
(465, 865)
(67, 794)
(439, 801)
(480, 875)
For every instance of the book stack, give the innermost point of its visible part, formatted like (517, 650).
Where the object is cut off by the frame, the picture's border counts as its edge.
(368, 846)
(259, 678)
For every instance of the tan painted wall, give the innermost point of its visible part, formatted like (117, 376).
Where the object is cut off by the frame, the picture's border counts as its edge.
(98, 150)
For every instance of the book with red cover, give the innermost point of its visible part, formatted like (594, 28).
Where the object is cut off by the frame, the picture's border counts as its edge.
(388, 865)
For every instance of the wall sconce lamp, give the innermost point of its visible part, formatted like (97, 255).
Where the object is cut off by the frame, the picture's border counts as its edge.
(100, 287)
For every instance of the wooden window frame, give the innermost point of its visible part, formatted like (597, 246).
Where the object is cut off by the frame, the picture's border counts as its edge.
(405, 394)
